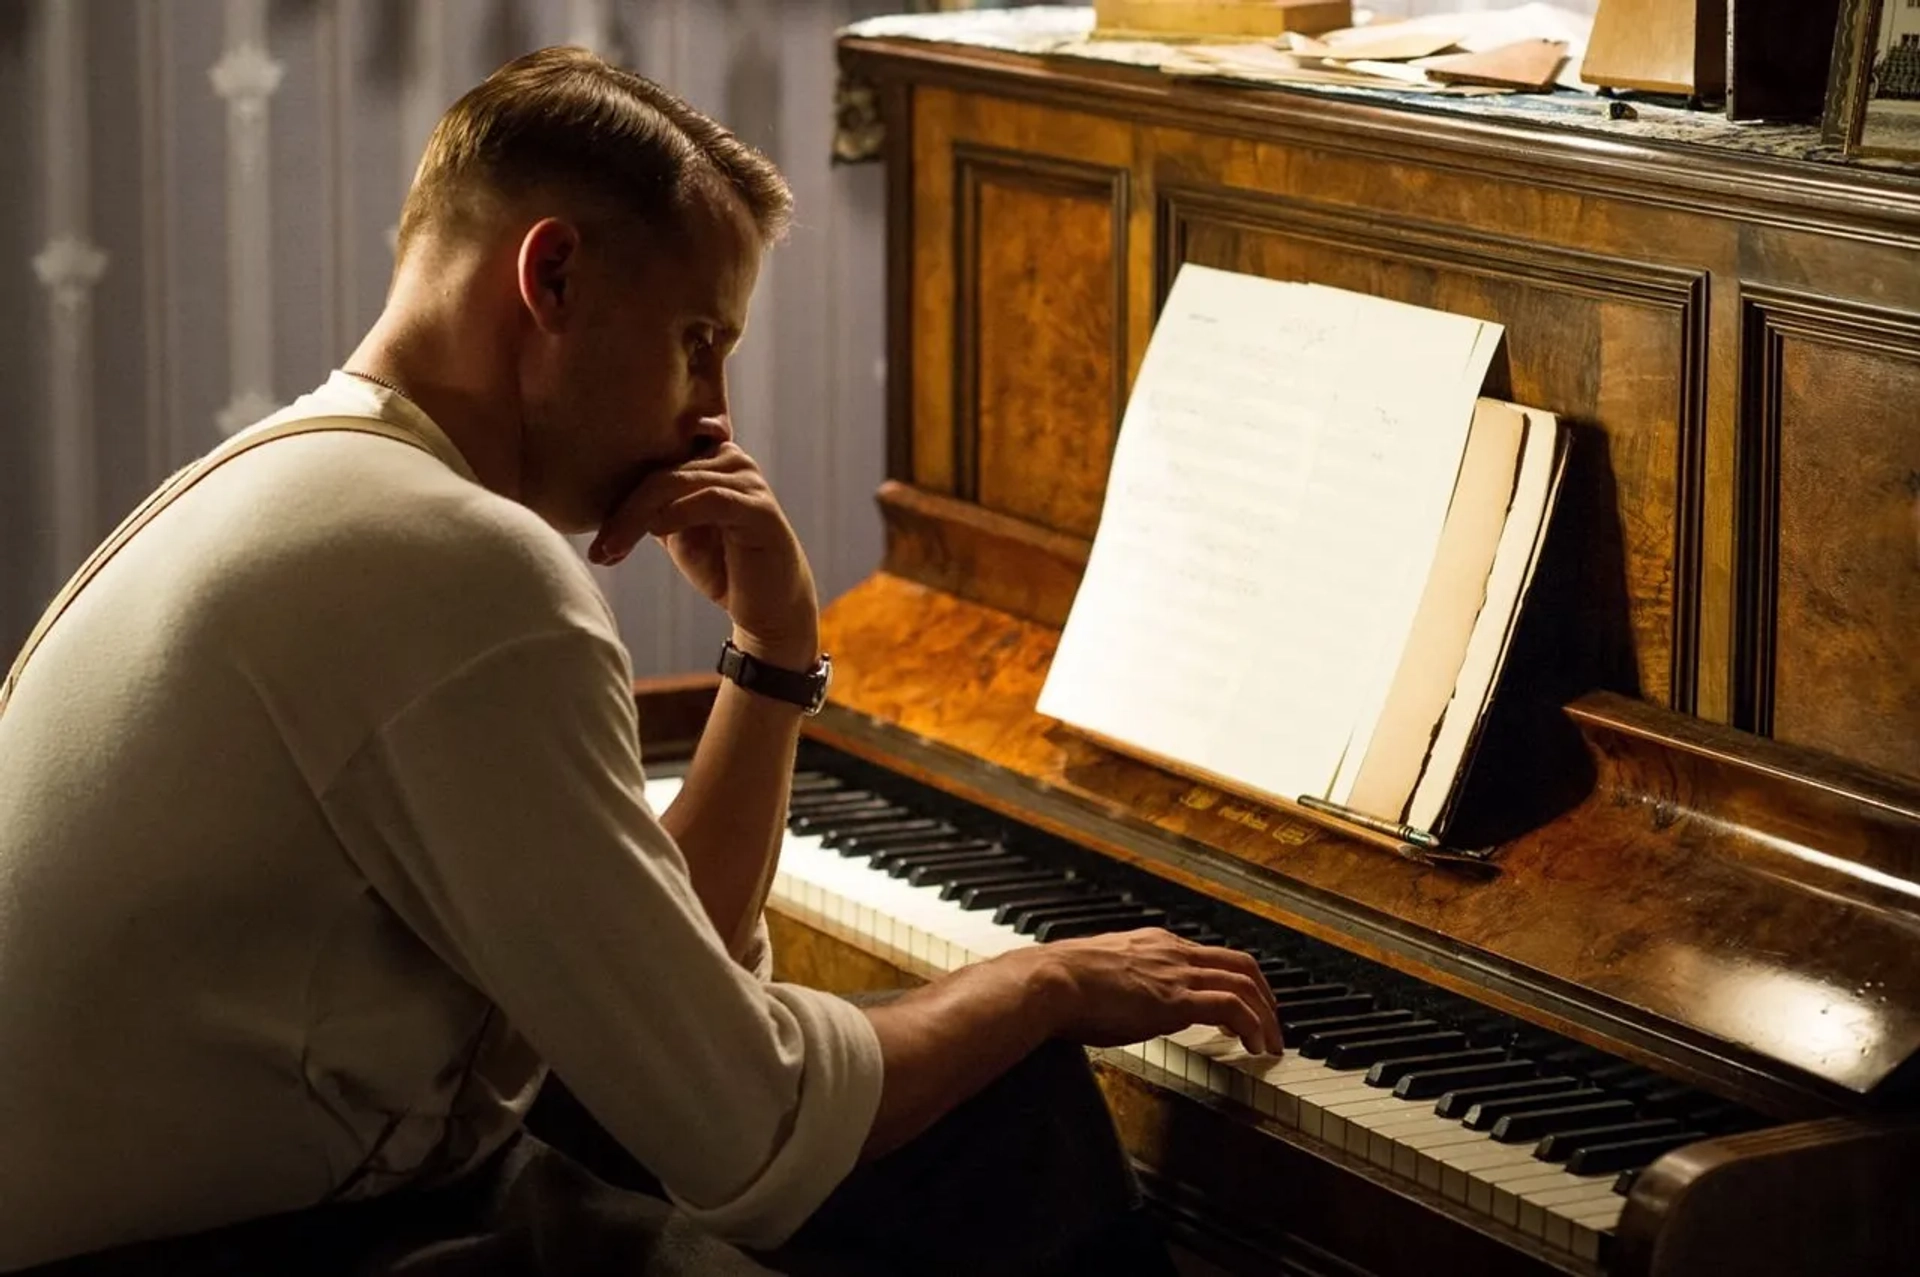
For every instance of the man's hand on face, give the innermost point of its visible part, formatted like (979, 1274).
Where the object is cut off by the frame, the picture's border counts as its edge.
(726, 533)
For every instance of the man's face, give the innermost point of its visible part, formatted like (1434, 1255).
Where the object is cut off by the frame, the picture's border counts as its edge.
(636, 381)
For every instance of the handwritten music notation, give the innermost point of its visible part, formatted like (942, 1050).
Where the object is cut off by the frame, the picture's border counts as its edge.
(1276, 494)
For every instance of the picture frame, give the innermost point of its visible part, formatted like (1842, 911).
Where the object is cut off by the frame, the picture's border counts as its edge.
(1873, 88)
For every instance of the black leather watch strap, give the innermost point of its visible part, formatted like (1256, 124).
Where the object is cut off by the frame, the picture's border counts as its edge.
(807, 689)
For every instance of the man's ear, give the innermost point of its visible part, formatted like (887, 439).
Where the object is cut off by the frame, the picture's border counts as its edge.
(549, 256)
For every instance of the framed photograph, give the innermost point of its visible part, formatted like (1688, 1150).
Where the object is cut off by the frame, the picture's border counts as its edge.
(1873, 93)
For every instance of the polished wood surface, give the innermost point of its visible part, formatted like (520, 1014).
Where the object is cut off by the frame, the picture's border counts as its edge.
(1834, 1197)
(1704, 900)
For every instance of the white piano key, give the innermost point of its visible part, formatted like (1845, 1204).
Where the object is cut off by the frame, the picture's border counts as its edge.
(1509, 1195)
(1587, 1224)
(1559, 1205)
(1340, 1123)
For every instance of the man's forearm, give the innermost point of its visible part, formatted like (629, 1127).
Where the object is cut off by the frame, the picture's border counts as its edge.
(731, 811)
(945, 1041)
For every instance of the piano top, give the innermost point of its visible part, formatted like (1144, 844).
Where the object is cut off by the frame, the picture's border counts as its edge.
(1730, 909)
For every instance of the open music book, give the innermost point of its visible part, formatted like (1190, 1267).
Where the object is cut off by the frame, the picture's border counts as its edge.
(1315, 543)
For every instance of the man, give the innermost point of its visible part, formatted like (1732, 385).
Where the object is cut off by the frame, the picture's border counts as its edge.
(321, 820)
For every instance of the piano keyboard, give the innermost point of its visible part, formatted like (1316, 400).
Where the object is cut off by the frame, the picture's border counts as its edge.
(1496, 1117)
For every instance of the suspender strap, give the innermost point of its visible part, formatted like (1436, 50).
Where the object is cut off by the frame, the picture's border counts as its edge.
(165, 495)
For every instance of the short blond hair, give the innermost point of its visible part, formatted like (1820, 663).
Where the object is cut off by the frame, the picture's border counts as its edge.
(566, 120)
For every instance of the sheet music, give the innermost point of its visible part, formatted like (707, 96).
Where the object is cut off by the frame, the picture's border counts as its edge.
(1273, 506)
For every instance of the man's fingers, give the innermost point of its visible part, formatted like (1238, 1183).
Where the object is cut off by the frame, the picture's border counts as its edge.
(706, 507)
(639, 512)
(1242, 966)
(1251, 990)
(1230, 1012)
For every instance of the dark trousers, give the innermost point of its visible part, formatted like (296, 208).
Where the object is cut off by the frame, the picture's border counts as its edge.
(1026, 1177)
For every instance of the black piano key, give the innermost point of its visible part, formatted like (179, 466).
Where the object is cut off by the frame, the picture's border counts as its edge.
(1098, 924)
(1361, 1052)
(1281, 976)
(1486, 1028)
(809, 783)
(842, 800)
(1517, 1128)
(1071, 894)
(962, 882)
(1027, 921)
(1317, 1037)
(1388, 1070)
(1424, 1084)
(943, 837)
(1671, 1097)
(935, 866)
(1561, 1145)
(1312, 1029)
(830, 822)
(938, 873)
(898, 863)
(992, 896)
(1638, 1086)
(952, 850)
(1455, 1103)
(1482, 1115)
(1613, 1073)
(865, 839)
(1198, 932)
(1623, 1182)
(1294, 1014)
(1572, 1057)
(1718, 1117)
(1600, 1159)
(1320, 992)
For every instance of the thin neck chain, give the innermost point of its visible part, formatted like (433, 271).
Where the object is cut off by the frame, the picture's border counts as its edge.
(378, 381)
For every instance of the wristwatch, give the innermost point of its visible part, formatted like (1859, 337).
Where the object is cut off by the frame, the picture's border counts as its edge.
(807, 689)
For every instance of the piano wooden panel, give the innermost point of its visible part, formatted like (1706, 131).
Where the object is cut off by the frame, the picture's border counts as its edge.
(1831, 547)
(1626, 274)
(1039, 326)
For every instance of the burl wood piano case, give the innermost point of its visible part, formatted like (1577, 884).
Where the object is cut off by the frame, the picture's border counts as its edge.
(1701, 784)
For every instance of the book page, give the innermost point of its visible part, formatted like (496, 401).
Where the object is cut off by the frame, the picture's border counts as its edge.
(1383, 645)
(1274, 502)
(1430, 665)
(1542, 463)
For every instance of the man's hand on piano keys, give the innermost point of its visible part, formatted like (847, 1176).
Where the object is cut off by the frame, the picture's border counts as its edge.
(1109, 990)
(726, 532)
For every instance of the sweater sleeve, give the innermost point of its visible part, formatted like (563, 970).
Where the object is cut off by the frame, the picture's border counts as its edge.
(501, 815)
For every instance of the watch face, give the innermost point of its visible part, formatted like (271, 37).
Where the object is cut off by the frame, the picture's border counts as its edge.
(826, 681)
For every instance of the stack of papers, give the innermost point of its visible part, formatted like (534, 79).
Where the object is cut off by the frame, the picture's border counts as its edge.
(1534, 47)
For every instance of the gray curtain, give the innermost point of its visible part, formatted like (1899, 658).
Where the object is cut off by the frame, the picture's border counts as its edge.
(203, 197)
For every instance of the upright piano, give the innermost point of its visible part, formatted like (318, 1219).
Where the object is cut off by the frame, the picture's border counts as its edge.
(1671, 1028)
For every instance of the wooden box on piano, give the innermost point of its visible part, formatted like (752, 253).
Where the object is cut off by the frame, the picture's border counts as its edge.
(1702, 782)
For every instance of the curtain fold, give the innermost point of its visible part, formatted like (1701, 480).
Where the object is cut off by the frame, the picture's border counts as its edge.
(210, 198)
